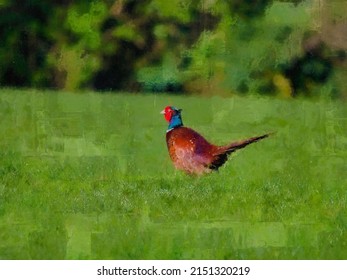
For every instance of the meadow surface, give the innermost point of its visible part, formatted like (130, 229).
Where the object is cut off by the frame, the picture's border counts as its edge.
(88, 176)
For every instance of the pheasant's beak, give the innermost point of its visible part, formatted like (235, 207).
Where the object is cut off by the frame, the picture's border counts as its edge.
(162, 112)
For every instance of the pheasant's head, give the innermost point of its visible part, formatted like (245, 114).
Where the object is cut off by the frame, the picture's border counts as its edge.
(173, 116)
(169, 112)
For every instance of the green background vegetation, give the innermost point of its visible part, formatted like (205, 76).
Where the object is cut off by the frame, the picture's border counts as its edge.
(285, 48)
(89, 177)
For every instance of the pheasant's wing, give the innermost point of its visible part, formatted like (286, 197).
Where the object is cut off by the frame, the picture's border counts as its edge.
(189, 151)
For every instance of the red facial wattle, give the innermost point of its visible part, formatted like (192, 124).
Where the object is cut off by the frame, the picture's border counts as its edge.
(168, 116)
(167, 112)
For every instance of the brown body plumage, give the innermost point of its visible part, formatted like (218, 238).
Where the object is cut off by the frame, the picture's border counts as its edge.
(193, 154)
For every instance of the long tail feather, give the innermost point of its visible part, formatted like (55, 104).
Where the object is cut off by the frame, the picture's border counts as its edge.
(222, 152)
(228, 149)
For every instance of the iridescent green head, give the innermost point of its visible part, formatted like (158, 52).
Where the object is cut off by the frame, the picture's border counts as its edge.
(172, 116)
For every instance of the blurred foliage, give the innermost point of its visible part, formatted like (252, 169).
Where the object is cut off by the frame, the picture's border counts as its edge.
(284, 48)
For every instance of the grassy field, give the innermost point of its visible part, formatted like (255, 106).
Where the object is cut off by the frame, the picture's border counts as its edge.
(88, 177)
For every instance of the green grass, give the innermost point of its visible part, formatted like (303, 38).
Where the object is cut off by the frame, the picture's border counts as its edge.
(88, 177)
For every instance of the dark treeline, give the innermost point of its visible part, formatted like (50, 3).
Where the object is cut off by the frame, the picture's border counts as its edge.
(284, 48)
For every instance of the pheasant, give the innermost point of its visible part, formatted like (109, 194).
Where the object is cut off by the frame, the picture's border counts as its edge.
(191, 152)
